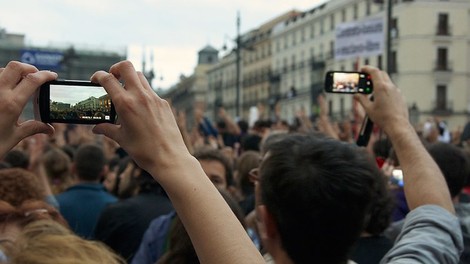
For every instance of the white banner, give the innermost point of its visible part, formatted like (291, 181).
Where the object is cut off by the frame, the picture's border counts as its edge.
(359, 39)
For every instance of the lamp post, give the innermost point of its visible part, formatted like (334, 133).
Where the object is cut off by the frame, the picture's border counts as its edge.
(388, 44)
(238, 73)
(389, 36)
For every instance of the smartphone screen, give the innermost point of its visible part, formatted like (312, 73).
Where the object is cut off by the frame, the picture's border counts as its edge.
(397, 177)
(348, 82)
(75, 102)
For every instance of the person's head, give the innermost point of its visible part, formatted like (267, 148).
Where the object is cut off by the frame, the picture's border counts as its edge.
(314, 195)
(4, 165)
(430, 132)
(90, 163)
(127, 173)
(14, 219)
(18, 185)
(245, 163)
(180, 248)
(110, 180)
(216, 166)
(17, 159)
(250, 142)
(57, 165)
(47, 241)
(453, 163)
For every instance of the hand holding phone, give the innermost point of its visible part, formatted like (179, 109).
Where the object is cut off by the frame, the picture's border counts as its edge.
(348, 82)
(76, 102)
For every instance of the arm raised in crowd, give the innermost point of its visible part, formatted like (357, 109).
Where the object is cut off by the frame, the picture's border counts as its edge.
(18, 82)
(149, 133)
(423, 181)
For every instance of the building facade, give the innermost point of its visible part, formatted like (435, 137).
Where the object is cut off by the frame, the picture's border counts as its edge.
(255, 55)
(192, 92)
(69, 62)
(430, 59)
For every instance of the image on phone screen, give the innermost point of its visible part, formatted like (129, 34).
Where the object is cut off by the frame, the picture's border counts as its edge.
(348, 82)
(79, 103)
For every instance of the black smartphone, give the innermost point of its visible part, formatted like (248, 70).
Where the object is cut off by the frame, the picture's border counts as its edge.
(74, 102)
(348, 82)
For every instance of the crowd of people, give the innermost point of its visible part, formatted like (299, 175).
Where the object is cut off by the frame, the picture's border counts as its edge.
(152, 190)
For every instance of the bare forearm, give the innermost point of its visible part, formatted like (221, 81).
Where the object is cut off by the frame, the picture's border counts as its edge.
(423, 181)
(217, 235)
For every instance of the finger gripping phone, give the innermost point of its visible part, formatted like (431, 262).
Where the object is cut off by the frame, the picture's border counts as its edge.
(348, 82)
(75, 102)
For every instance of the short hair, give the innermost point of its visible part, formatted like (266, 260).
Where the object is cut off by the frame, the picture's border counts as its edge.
(17, 159)
(453, 163)
(18, 185)
(57, 166)
(319, 191)
(180, 248)
(382, 147)
(36, 240)
(245, 163)
(89, 162)
(250, 142)
(211, 154)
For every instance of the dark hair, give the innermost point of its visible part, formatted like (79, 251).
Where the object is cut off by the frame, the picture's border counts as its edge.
(382, 148)
(211, 154)
(89, 162)
(243, 125)
(453, 163)
(17, 159)
(180, 247)
(319, 192)
(383, 204)
(4, 165)
(250, 142)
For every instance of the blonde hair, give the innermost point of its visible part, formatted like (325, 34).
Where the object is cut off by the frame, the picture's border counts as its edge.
(46, 241)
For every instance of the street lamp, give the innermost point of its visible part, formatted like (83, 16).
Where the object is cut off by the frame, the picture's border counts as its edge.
(388, 47)
(237, 76)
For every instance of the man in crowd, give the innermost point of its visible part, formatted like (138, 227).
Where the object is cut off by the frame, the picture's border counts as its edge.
(149, 133)
(81, 204)
(122, 224)
(218, 170)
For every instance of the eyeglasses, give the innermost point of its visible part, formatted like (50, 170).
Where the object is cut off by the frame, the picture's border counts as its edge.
(254, 175)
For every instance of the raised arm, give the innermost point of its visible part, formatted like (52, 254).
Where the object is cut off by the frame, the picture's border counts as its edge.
(18, 82)
(149, 133)
(424, 182)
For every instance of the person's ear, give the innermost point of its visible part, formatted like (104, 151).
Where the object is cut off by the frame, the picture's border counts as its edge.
(73, 171)
(104, 171)
(136, 172)
(266, 224)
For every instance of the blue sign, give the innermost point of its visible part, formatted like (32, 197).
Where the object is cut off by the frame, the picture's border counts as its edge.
(44, 60)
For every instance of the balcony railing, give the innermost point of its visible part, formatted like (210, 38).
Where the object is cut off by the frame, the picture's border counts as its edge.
(445, 66)
(443, 30)
(442, 107)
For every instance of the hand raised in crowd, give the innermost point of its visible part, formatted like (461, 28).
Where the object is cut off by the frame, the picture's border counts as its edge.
(421, 173)
(18, 82)
(147, 129)
(388, 109)
(149, 133)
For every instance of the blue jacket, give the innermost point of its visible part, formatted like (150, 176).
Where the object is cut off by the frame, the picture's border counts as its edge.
(81, 206)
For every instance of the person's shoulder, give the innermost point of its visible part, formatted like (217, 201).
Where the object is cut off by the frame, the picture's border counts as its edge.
(462, 210)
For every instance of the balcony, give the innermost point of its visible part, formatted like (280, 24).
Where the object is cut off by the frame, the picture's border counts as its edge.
(442, 66)
(441, 107)
(443, 30)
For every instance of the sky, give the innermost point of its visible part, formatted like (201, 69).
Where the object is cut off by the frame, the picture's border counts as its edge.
(74, 94)
(172, 30)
